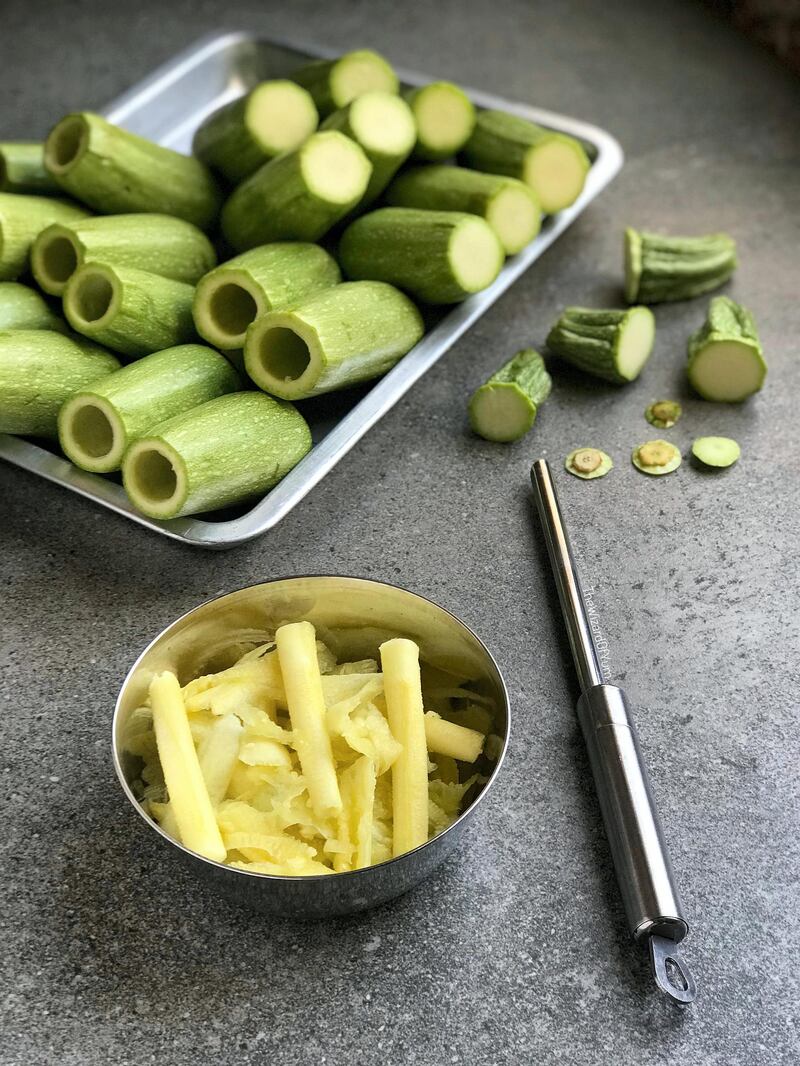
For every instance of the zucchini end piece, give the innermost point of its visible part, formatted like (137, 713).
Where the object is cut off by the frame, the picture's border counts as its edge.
(588, 463)
(656, 457)
(717, 452)
(727, 371)
(663, 414)
(635, 339)
(501, 412)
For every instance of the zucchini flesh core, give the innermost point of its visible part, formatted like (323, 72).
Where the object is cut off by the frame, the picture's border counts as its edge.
(55, 260)
(557, 172)
(473, 254)
(445, 118)
(635, 342)
(727, 371)
(333, 169)
(93, 297)
(231, 308)
(280, 116)
(67, 144)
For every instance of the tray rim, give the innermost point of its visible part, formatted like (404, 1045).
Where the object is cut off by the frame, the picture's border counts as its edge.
(386, 391)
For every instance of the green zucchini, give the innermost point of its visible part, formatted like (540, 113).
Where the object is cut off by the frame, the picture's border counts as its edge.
(612, 345)
(116, 172)
(508, 205)
(226, 451)
(98, 424)
(438, 256)
(39, 370)
(268, 278)
(658, 268)
(553, 164)
(716, 452)
(504, 408)
(337, 338)
(169, 247)
(23, 308)
(130, 311)
(588, 463)
(299, 195)
(274, 117)
(445, 118)
(656, 457)
(726, 363)
(382, 124)
(22, 219)
(333, 83)
(22, 169)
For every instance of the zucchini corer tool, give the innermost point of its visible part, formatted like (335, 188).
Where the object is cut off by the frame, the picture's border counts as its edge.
(635, 836)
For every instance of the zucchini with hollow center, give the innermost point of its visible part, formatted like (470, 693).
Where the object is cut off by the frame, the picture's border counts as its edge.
(609, 344)
(169, 247)
(274, 117)
(445, 118)
(98, 424)
(23, 308)
(130, 311)
(438, 256)
(22, 169)
(504, 408)
(339, 337)
(383, 125)
(299, 195)
(659, 268)
(508, 205)
(22, 219)
(726, 363)
(333, 83)
(553, 164)
(223, 452)
(116, 172)
(39, 371)
(268, 278)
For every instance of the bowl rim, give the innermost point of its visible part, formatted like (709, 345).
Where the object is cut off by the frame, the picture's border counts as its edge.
(305, 878)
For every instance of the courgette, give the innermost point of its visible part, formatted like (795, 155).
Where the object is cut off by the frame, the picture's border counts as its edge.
(23, 308)
(609, 344)
(333, 83)
(588, 463)
(274, 117)
(508, 205)
(299, 195)
(445, 118)
(22, 169)
(659, 268)
(383, 125)
(268, 278)
(726, 363)
(437, 256)
(22, 219)
(116, 172)
(553, 164)
(98, 424)
(130, 311)
(656, 457)
(663, 414)
(169, 247)
(39, 371)
(339, 337)
(505, 407)
(716, 452)
(223, 452)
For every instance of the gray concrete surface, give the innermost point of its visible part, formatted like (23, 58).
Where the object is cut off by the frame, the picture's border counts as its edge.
(516, 952)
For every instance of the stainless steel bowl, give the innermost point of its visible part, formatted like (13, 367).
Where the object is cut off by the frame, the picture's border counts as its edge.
(353, 615)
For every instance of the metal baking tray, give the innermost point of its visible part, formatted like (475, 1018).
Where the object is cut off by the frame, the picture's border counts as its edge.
(167, 107)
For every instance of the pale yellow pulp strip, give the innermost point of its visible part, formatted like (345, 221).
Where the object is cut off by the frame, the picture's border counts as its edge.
(403, 693)
(194, 814)
(446, 738)
(357, 784)
(297, 651)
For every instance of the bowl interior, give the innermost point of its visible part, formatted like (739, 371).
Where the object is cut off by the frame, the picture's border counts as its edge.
(353, 616)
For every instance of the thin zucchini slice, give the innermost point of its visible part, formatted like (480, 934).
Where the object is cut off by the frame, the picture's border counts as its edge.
(656, 457)
(716, 451)
(588, 463)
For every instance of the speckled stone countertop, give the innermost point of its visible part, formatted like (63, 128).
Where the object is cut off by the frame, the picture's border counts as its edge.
(516, 951)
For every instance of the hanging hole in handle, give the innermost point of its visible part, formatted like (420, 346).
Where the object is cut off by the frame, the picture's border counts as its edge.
(671, 973)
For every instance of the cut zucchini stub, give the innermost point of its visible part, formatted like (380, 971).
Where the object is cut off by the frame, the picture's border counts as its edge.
(505, 407)
(726, 363)
(660, 268)
(445, 118)
(663, 414)
(612, 345)
(588, 463)
(716, 451)
(334, 83)
(656, 457)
